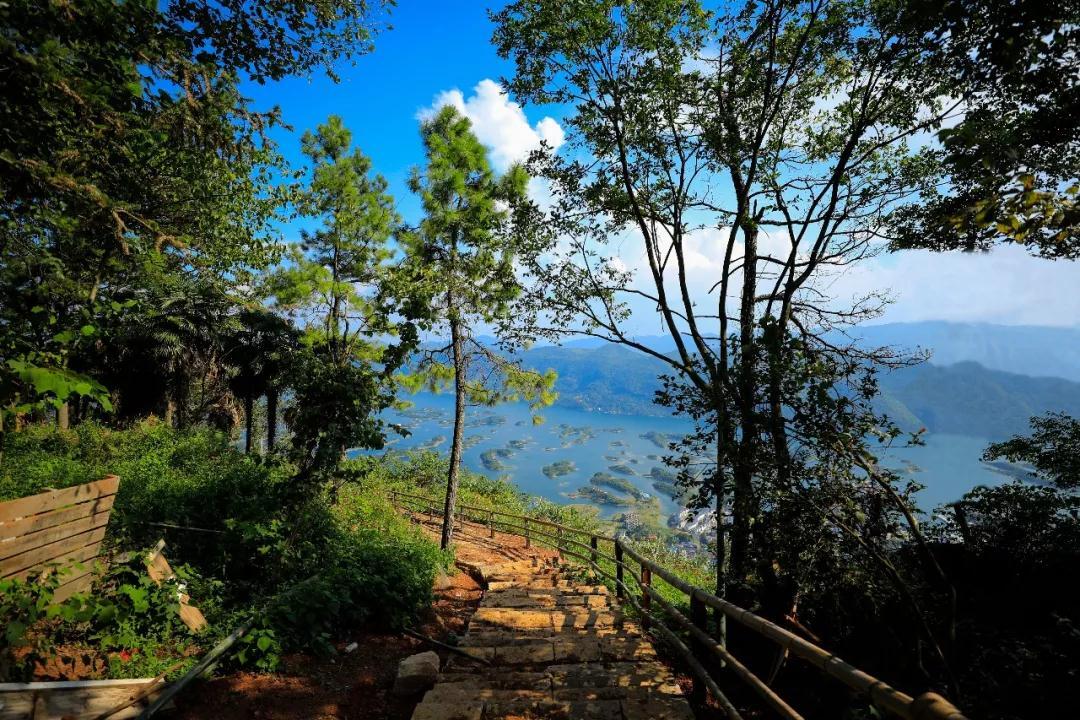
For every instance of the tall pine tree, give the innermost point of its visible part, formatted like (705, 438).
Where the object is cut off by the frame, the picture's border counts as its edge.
(459, 272)
(332, 285)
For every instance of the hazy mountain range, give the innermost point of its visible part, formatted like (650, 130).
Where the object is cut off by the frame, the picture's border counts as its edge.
(982, 380)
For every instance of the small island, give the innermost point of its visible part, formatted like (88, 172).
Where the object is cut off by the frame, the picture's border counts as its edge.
(602, 479)
(659, 439)
(559, 468)
(665, 481)
(571, 435)
(624, 469)
(600, 497)
(490, 459)
(491, 420)
(432, 443)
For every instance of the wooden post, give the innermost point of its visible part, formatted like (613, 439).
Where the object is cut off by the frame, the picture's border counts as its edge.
(618, 569)
(491, 524)
(528, 540)
(593, 555)
(646, 598)
(699, 615)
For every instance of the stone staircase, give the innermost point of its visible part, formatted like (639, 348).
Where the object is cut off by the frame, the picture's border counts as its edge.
(558, 647)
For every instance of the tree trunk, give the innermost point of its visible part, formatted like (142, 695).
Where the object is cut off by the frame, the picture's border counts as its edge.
(170, 411)
(249, 423)
(742, 505)
(63, 416)
(722, 555)
(459, 429)
(181, 398)
(271, 419)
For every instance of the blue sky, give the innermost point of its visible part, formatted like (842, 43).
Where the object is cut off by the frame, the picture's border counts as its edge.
(440, 52)
(433, 47)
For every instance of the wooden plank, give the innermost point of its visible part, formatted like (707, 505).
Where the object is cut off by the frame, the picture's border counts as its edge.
(85, 555)
(131, 684)
(192, 617)
(48, 536)
(79, 582)
(49, 519)
(80, 700)
(159, 570)
(51, 552)
(51, 500)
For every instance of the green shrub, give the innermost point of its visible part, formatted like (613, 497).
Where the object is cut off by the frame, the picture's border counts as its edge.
(308, 564)
(126, 617)
(305, 566)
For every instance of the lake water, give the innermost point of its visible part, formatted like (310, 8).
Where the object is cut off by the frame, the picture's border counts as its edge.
(504, 441)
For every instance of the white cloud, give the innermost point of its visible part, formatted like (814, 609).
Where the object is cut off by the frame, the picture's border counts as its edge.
(1006, 286)
(499, 122)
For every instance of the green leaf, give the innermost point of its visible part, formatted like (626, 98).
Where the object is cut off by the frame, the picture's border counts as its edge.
(15, 632)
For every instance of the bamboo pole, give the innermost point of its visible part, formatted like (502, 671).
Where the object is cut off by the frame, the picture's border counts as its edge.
(197, 670)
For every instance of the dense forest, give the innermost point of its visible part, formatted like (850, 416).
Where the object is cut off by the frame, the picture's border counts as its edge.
(225, 326)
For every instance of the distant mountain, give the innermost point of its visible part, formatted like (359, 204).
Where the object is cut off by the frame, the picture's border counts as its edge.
(1024, 349)
(606, 378)
(969, 399)
(963, 398)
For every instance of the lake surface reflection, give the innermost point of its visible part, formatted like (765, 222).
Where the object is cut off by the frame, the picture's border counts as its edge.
(555, 459)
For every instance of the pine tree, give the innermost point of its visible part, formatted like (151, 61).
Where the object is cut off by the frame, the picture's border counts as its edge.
(333, 286)
(459, 274)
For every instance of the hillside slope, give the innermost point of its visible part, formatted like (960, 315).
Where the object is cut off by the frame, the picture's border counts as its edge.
(964, 398)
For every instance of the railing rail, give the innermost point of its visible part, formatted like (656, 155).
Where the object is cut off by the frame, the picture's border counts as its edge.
(703, 648)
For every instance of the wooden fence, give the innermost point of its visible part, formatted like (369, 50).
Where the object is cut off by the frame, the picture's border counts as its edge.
(702, 651)
(58, 528)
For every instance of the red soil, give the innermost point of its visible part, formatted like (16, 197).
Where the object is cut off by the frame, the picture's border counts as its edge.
(353, 685)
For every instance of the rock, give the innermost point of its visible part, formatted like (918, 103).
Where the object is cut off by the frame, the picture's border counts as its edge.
(416, 674)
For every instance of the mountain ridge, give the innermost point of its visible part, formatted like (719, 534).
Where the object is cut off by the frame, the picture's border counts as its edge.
(964, 398)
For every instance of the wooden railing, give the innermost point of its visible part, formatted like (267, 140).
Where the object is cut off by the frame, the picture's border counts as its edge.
(703, 650)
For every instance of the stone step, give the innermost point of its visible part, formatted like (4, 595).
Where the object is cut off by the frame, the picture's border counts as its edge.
(552, 710)
(523, 709)
(577, 681)
(521, 564)
(556, 647)
(508, 599)
(611, 646)
(526, 619)
(488, 695)
(522, 589)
